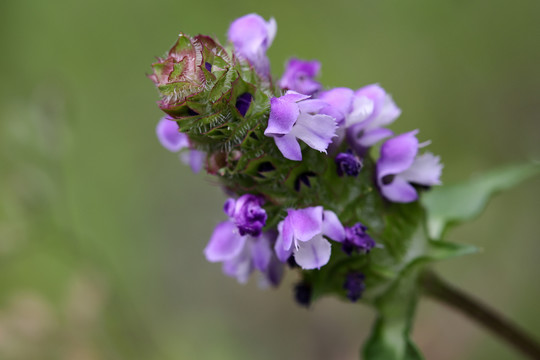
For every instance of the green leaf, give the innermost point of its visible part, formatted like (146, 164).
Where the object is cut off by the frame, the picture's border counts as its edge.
(452, 204)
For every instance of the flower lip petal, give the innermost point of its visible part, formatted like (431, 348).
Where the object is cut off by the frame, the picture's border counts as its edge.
(289, 147)
(399, 190)
(425, 170)
(313, 254)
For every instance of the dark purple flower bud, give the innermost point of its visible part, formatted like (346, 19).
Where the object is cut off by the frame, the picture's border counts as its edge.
(348, 164)
(302, 294)
(299, 76)
(243, 102)
(354, 284)
(247, 214)
(357, 239)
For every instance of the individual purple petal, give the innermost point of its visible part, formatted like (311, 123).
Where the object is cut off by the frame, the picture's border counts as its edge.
(425, 170)
(283, 115)
(169, 136)
(332, 227)
(299, 76)
(241, 265)
(283, 253)
(313, 254)
(316, 130)
(362, 111)
(311, 106)
(274, 271)
(362, 139)
(340, 98)
(376, 94)
(306, 223)
(398, 190)
(293, 96)
(195, 159)
(285, 234)
(225, 243)
(387, 113)
(397, 154)
(261, 251)
(229, 207)
(289, 147)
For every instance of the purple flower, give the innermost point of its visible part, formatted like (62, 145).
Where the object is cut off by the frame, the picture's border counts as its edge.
(251, 37)
(299, 76)
(357, 239)
(173, 140)
(348, 164)
(372, 108)
(247, 214)
(293, 117)
(354, 284)
(399, 166)
(301, 234)
(241, 255)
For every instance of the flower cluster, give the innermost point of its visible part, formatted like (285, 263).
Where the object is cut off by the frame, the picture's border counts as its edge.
(263, 141)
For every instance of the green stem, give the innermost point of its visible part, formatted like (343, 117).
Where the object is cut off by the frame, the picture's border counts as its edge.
(437, 288)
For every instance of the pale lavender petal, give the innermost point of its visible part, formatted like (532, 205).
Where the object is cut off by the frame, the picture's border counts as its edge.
(299, 76)
(315, 130)
(286, 231)
(289, 147)
(311, 106)
(250, 34)
(399, 190)
(370, 137)
(306, 223)
(283, 245)
(169, 136)
(339, 98)
(195, 159)
(261, 251)
(376, 94)
(283, 114)
(386, 114)
(274, 272)
(362, 111)
(240, 266)
(397, 154)
(229, 207)
(293, 96)
(225, 243)
(332, 227)
(271, 30)
(425, 170)
(313, 254)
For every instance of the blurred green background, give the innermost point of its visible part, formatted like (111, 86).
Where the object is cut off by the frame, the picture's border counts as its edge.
(102, 230)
